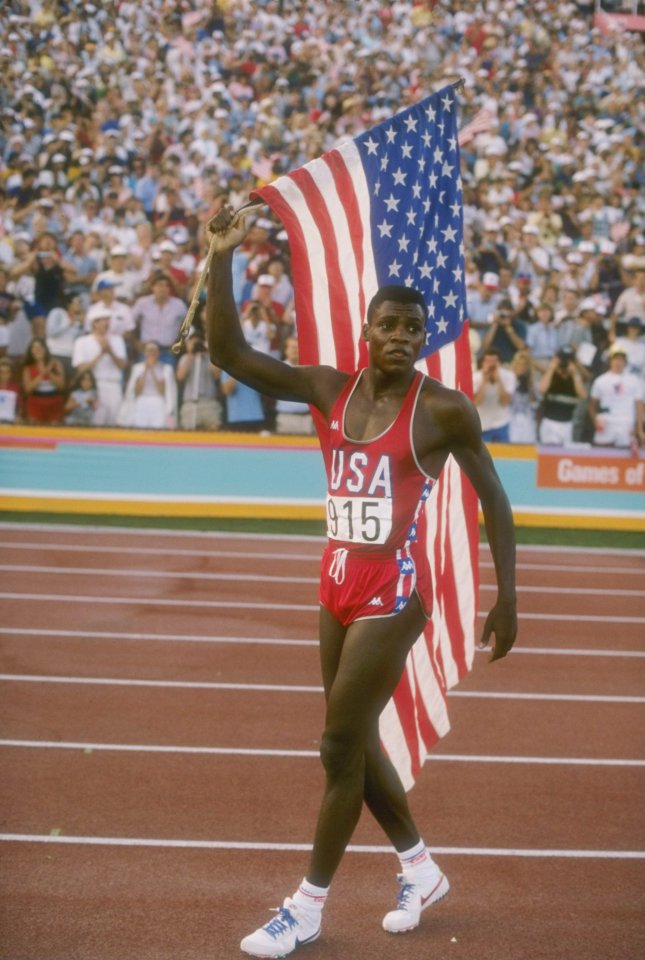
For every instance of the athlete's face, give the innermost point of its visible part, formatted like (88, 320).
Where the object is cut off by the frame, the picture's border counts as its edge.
(395, 333)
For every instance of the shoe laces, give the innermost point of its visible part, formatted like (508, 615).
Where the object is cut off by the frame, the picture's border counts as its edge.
(280, 924)
(404, 893)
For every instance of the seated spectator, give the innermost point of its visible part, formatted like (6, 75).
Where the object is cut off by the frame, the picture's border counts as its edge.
(105, 354)
(616, 404)
(151, 394)
(244, 407)
(292, 416)
(493, 389)
(9, 392)
(82, 400)
(562, 389)
(201, 408)
(524, 402)
(505, 335)
(43, 384)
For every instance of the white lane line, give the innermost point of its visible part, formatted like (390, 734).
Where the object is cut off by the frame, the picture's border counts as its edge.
(131, 574)
(303, 847)
(281, 556)
(161, 637)
(279, 641)
(248, 605)
(82, 746)
(293, 688)
(104, 572)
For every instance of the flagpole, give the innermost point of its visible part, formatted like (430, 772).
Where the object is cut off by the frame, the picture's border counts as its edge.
(215, 243)
(241, 212)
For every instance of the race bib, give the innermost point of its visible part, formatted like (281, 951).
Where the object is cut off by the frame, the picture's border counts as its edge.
(359, 519)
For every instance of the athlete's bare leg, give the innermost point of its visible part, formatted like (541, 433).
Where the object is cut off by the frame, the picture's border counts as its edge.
(361, 666)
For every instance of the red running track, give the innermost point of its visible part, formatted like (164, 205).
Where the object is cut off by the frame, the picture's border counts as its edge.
(160, 716)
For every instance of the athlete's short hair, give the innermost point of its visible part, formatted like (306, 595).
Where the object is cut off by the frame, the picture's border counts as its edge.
(397, 293)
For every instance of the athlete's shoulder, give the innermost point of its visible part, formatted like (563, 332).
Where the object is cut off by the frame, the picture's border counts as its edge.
(450, 411)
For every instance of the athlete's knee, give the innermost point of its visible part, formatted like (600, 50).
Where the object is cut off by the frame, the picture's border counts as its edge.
(342, 755)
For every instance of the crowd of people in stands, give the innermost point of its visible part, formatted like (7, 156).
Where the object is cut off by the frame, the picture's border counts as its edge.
(125, 126)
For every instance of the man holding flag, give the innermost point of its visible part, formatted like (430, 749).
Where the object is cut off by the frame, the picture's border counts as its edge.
(375, 234)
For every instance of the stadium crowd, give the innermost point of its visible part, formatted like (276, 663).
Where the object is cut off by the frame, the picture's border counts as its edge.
(124, 126)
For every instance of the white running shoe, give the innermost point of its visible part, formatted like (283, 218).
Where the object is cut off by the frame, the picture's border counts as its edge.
(293, 927)
(413, 899)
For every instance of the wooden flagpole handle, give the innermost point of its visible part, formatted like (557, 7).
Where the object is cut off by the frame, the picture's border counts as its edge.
(216, 244)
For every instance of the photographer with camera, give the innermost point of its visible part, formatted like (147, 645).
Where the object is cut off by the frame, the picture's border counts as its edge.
(562, 389)
(198, 379)
(505, 333)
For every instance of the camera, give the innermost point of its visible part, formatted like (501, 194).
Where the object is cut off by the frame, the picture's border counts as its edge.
(565, 357)
(199, 346)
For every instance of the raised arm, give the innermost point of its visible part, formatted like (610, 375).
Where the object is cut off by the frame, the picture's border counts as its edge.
(227, 347)
(474, 459)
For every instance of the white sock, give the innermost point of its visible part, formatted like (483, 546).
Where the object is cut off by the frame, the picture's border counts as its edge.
(310, 897)
(417, 862)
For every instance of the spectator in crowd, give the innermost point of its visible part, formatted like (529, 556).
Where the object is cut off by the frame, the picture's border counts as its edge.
(198, 378)
(79, 268)
(483, 300)
(634, 346)
(244, 407)
(105, 355)
(542, 338)
(291, 415)
(43, 384)
(616, 404)
(123, 279)
(62, 327)
(493, 389)
(9, 393)
(505, 335)
(158, 316)
(151, 394)
(525, 399)
(82, 400)
(562, 389)
(121, 316)
(630, 303)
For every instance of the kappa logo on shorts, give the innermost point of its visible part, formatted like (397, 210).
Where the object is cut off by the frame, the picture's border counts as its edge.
(406, 566)
(334, 425)
(375, 602)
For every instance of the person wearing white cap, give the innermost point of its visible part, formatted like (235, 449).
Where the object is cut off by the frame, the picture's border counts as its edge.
(616, 404)
(103, 353)
(125, 281)
(483, 300)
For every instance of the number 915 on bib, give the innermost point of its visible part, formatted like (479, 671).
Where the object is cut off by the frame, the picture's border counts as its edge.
(359, 519)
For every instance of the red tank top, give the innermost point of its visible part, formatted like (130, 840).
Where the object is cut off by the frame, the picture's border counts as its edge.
(375, 488)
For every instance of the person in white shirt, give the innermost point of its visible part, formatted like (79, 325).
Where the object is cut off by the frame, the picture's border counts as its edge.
(124, 279)
(105, 355)
(62, 328)
(151, 393)
(493, 388)
(616, 404)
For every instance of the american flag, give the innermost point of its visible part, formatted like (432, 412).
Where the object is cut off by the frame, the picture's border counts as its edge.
(385, 208)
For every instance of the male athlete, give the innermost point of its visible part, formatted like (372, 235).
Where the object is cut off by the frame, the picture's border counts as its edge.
(388, 432)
